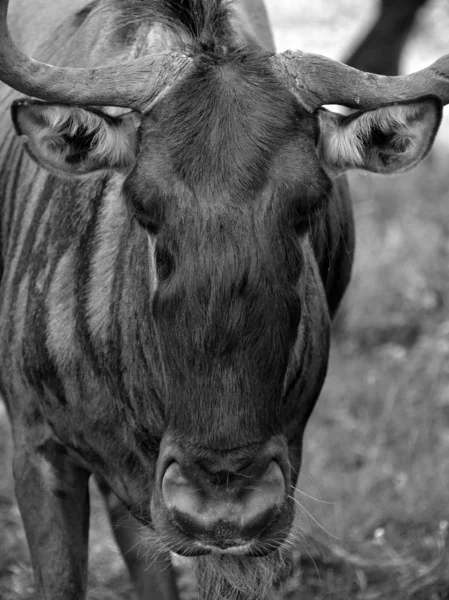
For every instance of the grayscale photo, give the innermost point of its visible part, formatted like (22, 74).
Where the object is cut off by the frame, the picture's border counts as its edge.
(224, 300)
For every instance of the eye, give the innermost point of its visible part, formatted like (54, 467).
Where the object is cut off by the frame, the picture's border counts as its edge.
(304, 222)
(303, 216)
(148, 215)
(165, 263)
(306, 204)
(145, 203)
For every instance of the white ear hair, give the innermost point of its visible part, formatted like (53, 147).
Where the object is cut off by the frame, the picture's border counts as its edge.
(389, 139)
(75, 140)
(348, 143)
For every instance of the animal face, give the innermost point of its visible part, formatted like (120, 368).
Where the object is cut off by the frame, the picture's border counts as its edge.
(228, 241)
(228, 201)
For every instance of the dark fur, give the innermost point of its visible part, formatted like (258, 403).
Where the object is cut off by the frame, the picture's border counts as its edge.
(226, 121)
(221, 296)
(253, 250)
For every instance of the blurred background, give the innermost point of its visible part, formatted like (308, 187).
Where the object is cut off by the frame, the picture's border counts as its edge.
(333, 27)
(373, 506)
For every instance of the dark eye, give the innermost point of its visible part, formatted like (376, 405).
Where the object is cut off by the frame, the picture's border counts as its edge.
(145, 203)
(306, 205)
(165, 263)
(149, 216)
(302, 217)
(305, 222)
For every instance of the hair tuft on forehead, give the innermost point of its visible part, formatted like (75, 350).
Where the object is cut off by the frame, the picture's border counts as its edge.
(205, 21)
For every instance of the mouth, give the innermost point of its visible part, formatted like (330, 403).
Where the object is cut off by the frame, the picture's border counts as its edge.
(228, 550)
(203, 549)
(251, 549)
(241, 550)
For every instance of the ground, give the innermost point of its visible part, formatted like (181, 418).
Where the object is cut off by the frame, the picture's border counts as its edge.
(372, 498)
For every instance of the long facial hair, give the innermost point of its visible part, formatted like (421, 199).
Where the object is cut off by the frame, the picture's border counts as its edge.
(221, 577)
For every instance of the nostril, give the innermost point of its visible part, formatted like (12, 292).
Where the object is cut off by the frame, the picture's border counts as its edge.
(273, 475)
(266, 493)
(180, 493)
(222, 513)
(174, 475)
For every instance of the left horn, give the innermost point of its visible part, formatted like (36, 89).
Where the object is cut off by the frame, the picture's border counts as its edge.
(137, 85)
(316, 80)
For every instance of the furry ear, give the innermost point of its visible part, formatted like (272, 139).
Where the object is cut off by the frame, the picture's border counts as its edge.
(75, 141)
(389, 139)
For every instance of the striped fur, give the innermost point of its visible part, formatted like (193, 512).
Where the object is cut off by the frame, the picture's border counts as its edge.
(89, 369)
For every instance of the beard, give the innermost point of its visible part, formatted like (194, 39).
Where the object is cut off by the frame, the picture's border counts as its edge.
(221, 577)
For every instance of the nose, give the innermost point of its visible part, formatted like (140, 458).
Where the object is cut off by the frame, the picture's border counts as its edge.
(224, 507)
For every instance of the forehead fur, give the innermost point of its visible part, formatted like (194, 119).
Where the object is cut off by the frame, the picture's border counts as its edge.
(226, 119)
(224, 123)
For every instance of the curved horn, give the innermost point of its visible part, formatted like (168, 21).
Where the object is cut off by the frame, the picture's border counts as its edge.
(316, 80)
(134, 85)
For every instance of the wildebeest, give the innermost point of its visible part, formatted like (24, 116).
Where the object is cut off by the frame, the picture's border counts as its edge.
(169, 272)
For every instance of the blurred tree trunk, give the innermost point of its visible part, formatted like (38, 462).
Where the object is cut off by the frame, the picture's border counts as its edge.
(380, 51)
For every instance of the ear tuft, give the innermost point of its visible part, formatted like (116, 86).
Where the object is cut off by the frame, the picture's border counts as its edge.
(389, 139)
(75, 141)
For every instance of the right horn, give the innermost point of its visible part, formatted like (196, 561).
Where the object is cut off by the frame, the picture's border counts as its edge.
(138, 84)
(316, 80)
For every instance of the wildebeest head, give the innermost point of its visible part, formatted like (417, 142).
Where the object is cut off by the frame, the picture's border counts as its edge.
(228, 164)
